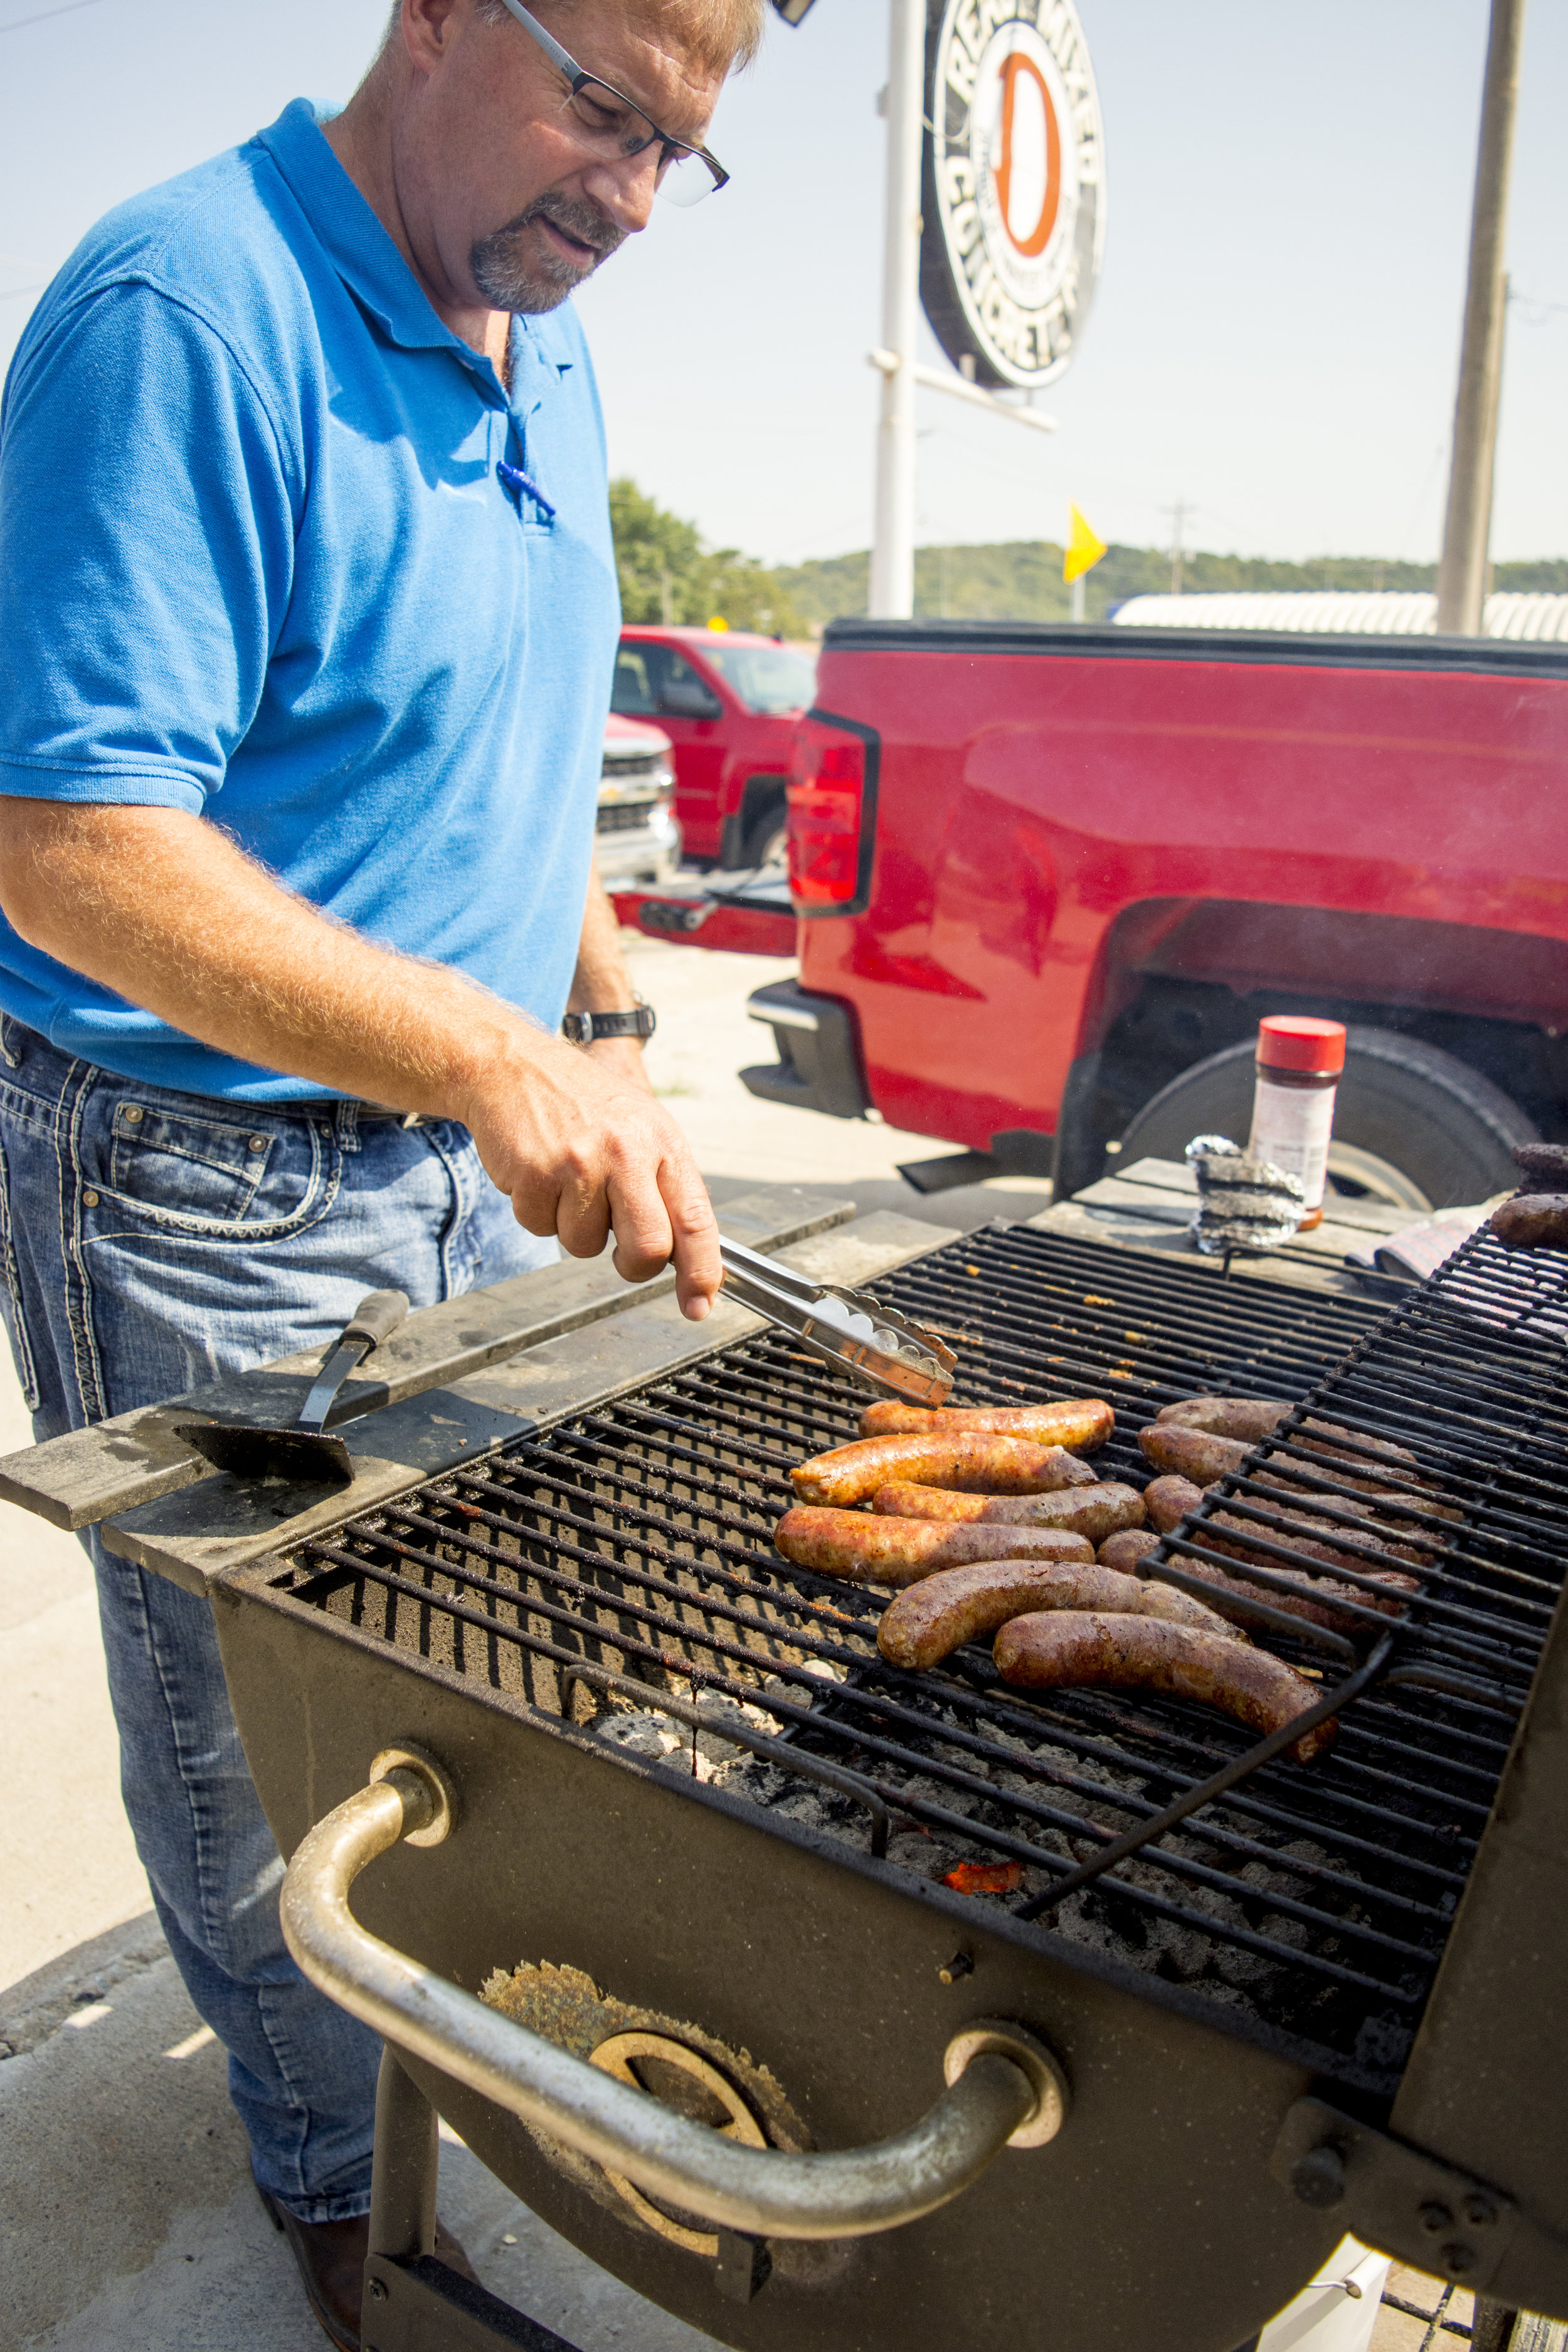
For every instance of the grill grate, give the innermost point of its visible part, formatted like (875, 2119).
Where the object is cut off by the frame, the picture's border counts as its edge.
(627, 1552)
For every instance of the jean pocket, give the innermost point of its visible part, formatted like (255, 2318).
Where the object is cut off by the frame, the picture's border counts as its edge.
(22, 1347)
(199, 1167)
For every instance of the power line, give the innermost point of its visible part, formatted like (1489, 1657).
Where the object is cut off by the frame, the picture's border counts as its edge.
(68, 9)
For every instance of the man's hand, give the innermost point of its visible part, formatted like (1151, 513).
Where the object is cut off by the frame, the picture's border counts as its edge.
(584, 1149)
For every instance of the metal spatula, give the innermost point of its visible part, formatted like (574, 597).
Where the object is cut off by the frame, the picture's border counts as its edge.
(303, 1454)
(845, 1326)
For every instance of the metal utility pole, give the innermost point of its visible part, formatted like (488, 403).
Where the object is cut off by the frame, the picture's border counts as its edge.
(893, 531)
(1461, 572)
(1178, 518)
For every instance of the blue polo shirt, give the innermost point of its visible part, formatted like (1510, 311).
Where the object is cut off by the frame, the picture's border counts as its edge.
(257, 560)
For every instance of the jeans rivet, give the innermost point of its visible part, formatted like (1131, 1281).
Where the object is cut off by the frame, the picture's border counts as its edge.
(134, 1114)
(258, 1143)
(90, 1199)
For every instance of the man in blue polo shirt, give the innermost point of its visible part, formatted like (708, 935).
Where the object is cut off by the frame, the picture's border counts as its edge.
(308, 614)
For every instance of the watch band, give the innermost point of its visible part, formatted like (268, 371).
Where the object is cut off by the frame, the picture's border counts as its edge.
(584, 1028)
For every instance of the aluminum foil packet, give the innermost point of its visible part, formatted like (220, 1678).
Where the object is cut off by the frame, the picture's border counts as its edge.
(1243, 1204)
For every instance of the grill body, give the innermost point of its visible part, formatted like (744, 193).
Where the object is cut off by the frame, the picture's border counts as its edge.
(1151, 2220)
(626, 1552)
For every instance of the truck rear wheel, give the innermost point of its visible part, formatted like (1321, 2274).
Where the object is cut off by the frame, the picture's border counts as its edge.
(1414, 1128)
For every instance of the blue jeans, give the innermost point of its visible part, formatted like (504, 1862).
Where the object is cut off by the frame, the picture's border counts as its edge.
(154, 1241)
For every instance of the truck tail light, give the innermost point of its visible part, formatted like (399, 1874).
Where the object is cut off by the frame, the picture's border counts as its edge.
(832, 814)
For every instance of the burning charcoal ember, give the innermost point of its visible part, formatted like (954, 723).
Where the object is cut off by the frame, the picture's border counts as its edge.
(984, 1877)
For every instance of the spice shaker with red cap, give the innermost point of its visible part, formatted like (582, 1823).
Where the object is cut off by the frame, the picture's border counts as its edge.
(1299, 1064)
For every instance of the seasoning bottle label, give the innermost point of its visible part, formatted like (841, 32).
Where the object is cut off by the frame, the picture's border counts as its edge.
(1291, 1126)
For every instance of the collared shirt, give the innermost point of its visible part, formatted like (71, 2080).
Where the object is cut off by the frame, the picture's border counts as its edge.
(259, 560)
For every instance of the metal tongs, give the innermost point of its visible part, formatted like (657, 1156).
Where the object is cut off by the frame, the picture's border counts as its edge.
(843, 1327)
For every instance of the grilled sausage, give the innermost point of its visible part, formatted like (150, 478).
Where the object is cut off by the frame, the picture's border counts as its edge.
(1069, 1651)
(1093, 1511)
(929, 1620)
(1123, 1551)
(1081, 1425)
(868, 1551)
(1245, 1417)
(901, 1502)
(1181, 1453)
(943, 1504)
(1543, 1165)
(1532, 1221)
(968, 1460)
(1167, 1500)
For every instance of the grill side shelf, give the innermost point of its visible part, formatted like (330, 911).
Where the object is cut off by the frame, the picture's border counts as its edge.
(198, 1533)
(90, 1474)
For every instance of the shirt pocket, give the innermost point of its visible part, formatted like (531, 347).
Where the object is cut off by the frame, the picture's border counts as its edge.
(207, 1167)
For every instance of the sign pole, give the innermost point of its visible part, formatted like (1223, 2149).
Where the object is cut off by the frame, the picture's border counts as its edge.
(1462, 570)
(892, 596)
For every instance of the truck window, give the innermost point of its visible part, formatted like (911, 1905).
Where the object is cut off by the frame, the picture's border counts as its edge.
(632, 695)
(668, 686)
(767, 677)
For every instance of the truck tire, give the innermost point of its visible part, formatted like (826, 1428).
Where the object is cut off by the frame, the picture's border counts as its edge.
(1414, 1128)
(767, 836)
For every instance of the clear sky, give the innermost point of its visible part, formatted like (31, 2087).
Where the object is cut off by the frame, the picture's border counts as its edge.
(1274, 342)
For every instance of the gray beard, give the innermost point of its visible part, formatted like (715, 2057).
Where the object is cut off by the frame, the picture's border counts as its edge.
(508, 283)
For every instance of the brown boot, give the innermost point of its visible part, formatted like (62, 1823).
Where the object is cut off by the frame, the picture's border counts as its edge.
(331, 2257)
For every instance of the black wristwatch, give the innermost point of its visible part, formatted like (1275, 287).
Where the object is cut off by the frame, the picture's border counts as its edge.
(584, 1028)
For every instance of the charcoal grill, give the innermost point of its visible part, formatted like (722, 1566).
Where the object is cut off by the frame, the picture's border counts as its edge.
(698, 1825)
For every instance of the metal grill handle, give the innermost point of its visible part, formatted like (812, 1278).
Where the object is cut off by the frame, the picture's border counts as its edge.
(1004, 2089)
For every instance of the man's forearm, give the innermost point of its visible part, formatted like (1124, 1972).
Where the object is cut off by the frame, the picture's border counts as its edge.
(601, 983)
(164, 910)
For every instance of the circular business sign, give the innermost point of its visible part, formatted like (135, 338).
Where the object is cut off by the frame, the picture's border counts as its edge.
(1015, 187)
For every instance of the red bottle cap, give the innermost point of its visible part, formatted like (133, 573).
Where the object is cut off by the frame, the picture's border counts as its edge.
(1294, 1041)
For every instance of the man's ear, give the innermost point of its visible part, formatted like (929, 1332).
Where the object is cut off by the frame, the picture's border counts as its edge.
(429, 29)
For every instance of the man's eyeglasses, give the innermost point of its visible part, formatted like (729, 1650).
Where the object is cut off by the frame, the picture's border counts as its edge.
(618, 126)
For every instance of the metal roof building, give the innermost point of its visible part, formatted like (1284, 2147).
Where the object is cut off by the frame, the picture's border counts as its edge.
(1332, 612)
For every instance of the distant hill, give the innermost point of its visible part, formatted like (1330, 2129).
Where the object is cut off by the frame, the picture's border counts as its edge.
(1021, 580)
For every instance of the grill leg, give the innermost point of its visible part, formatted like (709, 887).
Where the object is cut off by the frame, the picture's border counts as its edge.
(412, 2302)
(1493, 2327)
(402, 2182)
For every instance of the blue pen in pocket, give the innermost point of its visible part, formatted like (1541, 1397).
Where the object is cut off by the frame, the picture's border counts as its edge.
(515, 479)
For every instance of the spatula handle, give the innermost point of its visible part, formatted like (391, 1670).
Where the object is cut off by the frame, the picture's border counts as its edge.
(375, 1318)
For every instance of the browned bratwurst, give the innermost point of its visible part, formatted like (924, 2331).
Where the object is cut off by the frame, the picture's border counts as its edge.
(1081, 1425)
(930, 1620)
(1124, 1551)
(1092, 1511)
(1532, 1221)
(1167, 1500)
(1068, 1652)
(1195, 1454)
(942, 1502)
(970, 1461)
(868, 1550)
(1245, 1417)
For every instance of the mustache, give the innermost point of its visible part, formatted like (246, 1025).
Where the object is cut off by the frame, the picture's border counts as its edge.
(584, 222)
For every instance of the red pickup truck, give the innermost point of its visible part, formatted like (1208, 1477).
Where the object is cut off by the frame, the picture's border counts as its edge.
(1047, 880)
(729, 702)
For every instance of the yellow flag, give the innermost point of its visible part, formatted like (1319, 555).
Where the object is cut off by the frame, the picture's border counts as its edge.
(1084, 549)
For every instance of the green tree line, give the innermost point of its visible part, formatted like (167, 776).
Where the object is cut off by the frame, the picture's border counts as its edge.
(669, 573)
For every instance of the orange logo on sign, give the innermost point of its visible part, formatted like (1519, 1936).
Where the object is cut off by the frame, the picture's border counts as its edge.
(1016, 67)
